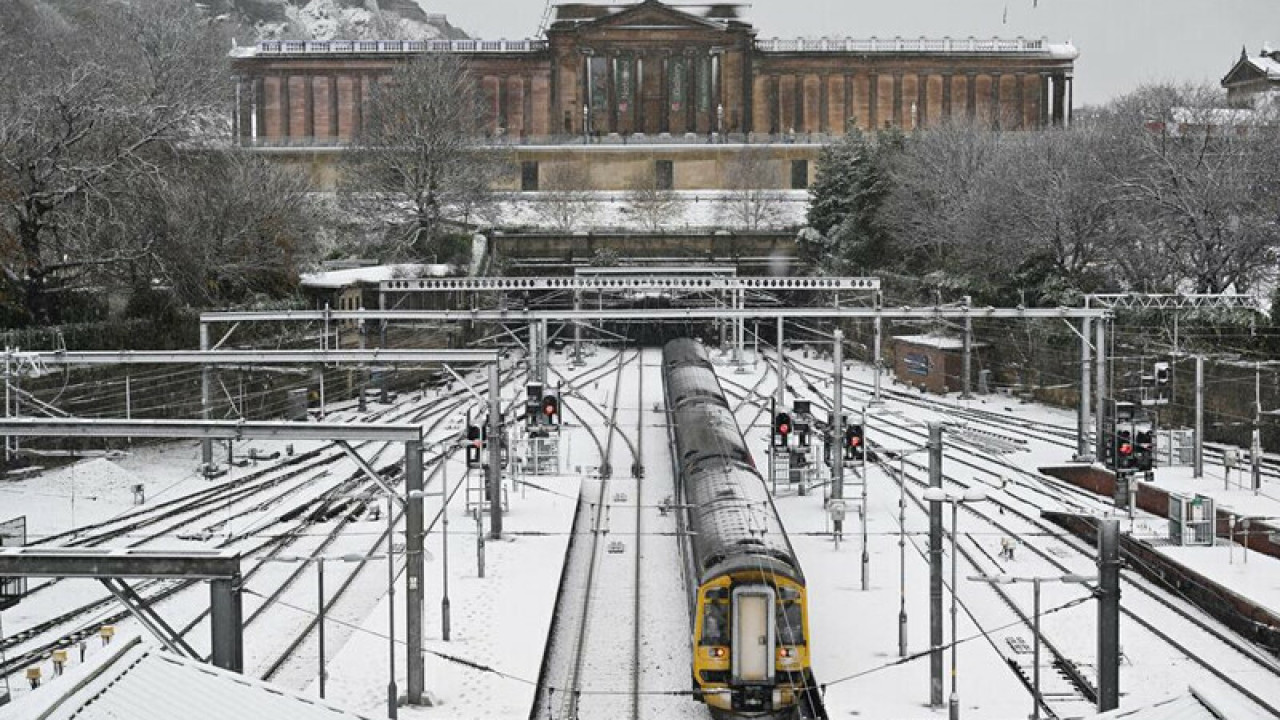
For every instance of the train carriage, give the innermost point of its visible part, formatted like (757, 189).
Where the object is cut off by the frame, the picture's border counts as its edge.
(750, 630)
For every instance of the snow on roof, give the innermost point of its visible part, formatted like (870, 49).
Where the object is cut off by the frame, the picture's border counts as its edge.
(373, 274)
(942, 342)
(140, 682)
(1267, 64)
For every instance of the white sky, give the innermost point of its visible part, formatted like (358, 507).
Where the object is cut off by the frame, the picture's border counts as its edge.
(1122, 43)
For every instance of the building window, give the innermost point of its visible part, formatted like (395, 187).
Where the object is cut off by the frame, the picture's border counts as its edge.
(529, 176)
(799, 174)
(664, 174)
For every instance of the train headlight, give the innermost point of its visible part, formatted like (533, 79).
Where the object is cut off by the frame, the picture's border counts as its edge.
(786, 653)
(719, 652)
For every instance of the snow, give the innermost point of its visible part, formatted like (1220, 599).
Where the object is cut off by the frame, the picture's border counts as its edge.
(690, 210)
(940, 342)
(372, 274)
(504, 620)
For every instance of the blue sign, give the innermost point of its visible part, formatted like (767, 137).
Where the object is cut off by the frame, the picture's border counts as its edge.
(916, 363)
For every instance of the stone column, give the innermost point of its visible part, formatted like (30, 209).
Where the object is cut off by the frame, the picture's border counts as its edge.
(526, 105)
(333, 106)
(797, 102)
(775, 104)
(873, 99)
(748, 91)
(611, 96)
(946, 95)
(691, 93)
(502, 118)
(286, 109)
(642, 65)
(897, 99)
(824, 108)
(1059, 96)
(995, 101)
(849, 106)
(664, 92)
(357, 104)
(971, 95)
(1044, 99)
(1071, 83)
(922, 99)
(309, 106)
(553, 97)
(1019, 99)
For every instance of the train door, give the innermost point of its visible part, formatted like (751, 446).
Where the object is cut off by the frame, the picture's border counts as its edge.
(753, 634)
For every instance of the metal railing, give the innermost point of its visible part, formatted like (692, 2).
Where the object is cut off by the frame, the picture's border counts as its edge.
(338, 47)
(900, 44)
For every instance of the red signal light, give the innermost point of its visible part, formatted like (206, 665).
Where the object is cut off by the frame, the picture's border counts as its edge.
(1126, 449)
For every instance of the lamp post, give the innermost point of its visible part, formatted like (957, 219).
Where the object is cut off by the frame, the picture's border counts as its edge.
(393, 703)
(444, 533)
(971, 495)
(1035, 627)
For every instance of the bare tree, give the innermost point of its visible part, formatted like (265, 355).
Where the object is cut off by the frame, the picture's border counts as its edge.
(938, 182)
(419, 165)
(95, 101)
(753, 200)
(565, 200)
(1200, 186)
(231, 226)
(653, 207)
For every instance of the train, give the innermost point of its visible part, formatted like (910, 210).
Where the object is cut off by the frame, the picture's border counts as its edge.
(750, 624)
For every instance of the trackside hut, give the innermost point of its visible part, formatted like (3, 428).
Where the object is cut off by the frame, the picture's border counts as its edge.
(932, 362)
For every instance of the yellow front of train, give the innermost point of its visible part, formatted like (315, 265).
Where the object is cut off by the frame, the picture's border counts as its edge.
(751, 656)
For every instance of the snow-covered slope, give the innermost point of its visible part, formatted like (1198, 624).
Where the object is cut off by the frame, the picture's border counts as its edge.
(333, 19)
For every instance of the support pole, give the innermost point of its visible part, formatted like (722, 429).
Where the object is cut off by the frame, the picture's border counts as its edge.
(1255, 447)
(837, 424)
(577, 329)
(1083, 450)
(1108, 614)
(866, 556)
(968, 354)
(320, 619)
(444, 552)
(226, 624)
(1035, 633)
(737, 330)
(1198, 450)
(875, 364)
(393, 695)
(935, 569)
(780, 396)
(494, 476)
(1100, 392)
(415, 571)
(544, 350)
(206, 401)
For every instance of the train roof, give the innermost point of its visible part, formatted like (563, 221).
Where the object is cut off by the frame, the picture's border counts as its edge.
(733, 517)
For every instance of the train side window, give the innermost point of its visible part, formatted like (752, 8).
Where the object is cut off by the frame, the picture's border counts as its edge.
(715, 623)
(790, 623)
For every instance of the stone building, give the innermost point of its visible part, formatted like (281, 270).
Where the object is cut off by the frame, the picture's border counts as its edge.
(652, 74)
(1254, 80)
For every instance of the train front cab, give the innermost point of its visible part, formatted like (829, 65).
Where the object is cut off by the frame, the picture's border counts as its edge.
(750, 651)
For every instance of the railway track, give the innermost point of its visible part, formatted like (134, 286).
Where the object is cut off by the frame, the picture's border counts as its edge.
(1018, 504)
(162, 520)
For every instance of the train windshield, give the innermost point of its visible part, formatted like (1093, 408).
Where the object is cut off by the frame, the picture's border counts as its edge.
(715, 623)
(790, 623)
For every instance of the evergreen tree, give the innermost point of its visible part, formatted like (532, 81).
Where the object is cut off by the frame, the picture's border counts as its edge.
(845, 201)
